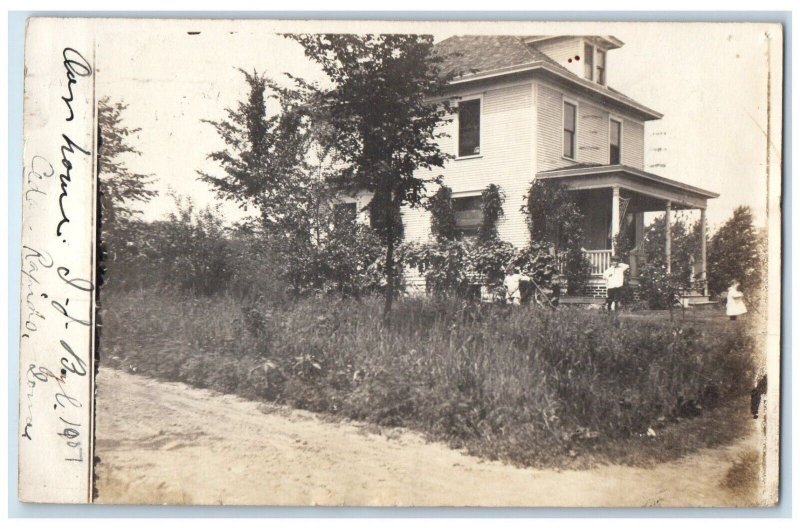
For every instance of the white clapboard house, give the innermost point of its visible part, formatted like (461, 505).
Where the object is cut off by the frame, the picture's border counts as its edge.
(539, 107)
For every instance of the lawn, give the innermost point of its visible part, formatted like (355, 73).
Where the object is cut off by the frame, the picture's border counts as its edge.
(523, 385)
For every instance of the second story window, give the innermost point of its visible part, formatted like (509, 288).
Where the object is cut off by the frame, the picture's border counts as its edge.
(615, 137)
(601, 67)
(570, 111)
(469, 127)
(588, 61)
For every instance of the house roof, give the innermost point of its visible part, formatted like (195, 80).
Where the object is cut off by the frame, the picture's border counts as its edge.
(589, 170)
(472, 58)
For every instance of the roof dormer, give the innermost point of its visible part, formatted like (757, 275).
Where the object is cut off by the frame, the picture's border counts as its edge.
(583, 55)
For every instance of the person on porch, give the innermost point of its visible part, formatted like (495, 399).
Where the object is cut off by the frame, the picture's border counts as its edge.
(615, 281)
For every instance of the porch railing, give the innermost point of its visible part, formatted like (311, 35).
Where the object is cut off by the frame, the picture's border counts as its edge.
(600, 260)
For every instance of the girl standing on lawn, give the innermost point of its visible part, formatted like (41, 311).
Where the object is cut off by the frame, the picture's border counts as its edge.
(735, 306)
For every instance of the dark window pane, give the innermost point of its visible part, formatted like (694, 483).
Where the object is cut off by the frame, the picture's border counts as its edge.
(569, 130)
(601, 67)
(569, 117)
(569, 144)
(588, 57)
(614, 155)
(469, 127)
(615, 141)
(468, 214)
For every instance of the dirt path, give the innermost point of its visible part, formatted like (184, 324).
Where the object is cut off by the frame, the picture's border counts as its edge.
(165, 442)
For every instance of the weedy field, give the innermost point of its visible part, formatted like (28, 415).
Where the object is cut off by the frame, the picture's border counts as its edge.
(519, 384)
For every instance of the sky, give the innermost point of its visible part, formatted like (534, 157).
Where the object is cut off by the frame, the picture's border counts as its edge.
(709, 81)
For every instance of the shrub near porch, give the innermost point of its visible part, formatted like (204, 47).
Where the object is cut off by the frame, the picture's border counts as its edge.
(526, 386)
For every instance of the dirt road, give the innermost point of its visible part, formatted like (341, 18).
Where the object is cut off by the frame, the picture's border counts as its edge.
(165, 442)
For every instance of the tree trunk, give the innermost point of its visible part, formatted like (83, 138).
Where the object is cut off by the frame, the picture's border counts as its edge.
(389, 293)
(392, 210)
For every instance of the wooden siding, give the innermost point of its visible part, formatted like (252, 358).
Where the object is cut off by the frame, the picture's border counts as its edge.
(550, 129)
(561, 50)
(633, 144)
(592, 135)
(506, 159)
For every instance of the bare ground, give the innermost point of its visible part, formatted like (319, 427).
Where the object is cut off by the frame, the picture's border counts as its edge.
(163, 442)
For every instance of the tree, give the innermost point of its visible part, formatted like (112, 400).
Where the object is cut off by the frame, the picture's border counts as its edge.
(382, 120)
(281, 163)
(265, 158)
(736, 252)
(120, 188)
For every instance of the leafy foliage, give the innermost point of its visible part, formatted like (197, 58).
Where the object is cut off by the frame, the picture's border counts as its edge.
(459, 267)
(381, 119)
(657, 288)
(685, 246)
(120, 188)
(737, 251)
(445, 265)
(555, 219)
(492, 199)
(443, 218)
(264, 159)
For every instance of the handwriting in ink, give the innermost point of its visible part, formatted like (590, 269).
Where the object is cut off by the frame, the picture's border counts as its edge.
(76, 66)
(66, 177)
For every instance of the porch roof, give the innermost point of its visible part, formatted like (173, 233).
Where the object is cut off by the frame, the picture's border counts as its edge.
(591, 176)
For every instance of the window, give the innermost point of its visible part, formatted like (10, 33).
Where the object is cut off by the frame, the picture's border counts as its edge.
(469, 127)
(615, 137)
(601, 67)
(570, 110)
(588, 61)
(468, 214)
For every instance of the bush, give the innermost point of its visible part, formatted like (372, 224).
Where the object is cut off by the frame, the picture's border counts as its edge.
(522, 385)
(195, 252)
(657, 288)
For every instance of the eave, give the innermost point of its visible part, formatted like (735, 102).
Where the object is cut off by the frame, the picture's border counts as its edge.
(634, 107)
(583, 177)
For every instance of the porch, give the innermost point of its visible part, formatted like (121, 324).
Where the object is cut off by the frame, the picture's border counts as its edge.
(614, 200)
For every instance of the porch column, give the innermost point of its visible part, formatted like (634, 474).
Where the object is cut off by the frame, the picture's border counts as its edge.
(668, 238)
(639, 228)
(703, 254)
(614, 218)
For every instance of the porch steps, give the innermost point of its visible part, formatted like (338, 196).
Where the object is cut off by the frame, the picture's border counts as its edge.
(696, 299)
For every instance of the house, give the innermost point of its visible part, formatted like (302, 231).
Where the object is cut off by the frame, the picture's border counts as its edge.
(540, 107)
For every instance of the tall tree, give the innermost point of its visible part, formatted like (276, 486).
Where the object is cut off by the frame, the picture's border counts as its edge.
(264, 161)
(737, 252)
(120, 188)
(383, 122)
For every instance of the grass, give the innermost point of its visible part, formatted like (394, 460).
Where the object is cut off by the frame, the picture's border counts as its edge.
(526, 386)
